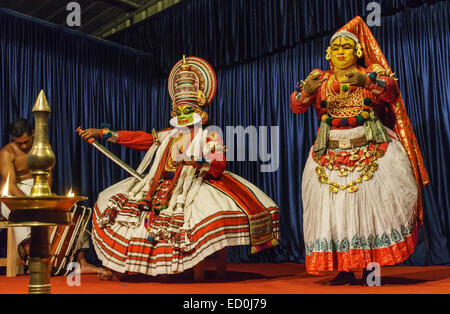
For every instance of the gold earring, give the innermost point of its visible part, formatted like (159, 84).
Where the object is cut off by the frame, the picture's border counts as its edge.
(173, 112)
(201, 98)
(328, 55)
(204, 116)
(359, 52)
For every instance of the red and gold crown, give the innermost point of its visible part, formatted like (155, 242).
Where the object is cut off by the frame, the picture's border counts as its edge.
(192, 81)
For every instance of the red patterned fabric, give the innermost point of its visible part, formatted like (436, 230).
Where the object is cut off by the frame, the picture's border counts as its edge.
(260, 218)
(319, 262)
(372, 56)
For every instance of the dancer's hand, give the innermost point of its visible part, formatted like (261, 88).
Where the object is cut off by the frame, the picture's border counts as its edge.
(90, 133)
(313, 82)
(355, 79)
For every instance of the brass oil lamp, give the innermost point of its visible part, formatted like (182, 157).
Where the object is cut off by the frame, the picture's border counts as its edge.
(41, 209)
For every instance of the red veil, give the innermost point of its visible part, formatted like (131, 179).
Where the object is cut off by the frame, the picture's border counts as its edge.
(402, 126)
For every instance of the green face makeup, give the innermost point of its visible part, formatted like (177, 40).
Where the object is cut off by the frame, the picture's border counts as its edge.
(185, 114)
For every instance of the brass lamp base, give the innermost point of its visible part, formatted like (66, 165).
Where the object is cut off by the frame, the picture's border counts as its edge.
(41, 209)
(39, 213)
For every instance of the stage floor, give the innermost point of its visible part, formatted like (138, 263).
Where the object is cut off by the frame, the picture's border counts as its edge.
(243, 278)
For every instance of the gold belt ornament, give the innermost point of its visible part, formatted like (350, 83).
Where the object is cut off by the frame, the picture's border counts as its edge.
(348, 143)
(351, 187)
(367, 171)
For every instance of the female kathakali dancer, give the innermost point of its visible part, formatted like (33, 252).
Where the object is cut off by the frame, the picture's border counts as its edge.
(186, 207)
(362, 181)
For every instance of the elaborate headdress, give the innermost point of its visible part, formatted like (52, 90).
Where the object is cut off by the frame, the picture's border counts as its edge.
(375, 59)
(192, 81)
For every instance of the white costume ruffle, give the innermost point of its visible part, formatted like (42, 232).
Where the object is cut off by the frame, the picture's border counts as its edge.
(380, 214)
(200, 218)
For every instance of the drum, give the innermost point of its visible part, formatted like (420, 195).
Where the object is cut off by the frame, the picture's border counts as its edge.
(66, 240)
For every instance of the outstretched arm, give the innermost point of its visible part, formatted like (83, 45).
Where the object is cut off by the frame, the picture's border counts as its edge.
(139, 140)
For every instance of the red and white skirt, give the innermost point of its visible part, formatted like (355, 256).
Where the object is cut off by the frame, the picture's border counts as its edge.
(226, 212)
(376, 223)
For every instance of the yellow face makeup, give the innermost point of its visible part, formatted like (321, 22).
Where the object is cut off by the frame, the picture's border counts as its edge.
(343, 53)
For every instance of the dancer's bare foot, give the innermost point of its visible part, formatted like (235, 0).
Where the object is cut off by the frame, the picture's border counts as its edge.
(87, 268)
(343, 278)
(108, 274)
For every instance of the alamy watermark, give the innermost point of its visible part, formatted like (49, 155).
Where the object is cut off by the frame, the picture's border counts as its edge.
(374, 277)
(374, 17)
(263, 145)
(74, 17)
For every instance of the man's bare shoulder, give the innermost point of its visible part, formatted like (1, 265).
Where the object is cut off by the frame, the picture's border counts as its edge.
(8, 151)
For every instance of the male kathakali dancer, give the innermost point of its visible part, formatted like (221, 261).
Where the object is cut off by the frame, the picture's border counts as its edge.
(187, 206)
(362, 181)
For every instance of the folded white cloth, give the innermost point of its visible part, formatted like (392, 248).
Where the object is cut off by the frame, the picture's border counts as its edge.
(20, 233)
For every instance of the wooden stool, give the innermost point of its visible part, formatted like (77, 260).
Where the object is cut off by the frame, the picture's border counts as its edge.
(12, 261)
(219, 261)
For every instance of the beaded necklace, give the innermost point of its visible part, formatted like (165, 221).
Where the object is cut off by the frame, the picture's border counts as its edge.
(345, 108)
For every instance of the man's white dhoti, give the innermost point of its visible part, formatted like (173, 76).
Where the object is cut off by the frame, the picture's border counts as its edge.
(20, 233)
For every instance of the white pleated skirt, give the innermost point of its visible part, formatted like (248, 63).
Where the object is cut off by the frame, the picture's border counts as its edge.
(378, 223)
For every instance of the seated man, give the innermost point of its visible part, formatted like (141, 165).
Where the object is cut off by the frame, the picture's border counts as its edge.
(14, 169)
(186, 207)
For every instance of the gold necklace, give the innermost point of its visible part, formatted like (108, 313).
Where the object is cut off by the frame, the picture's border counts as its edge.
(343, 104)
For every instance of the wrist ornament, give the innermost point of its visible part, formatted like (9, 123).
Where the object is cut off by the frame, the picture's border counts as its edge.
(107, 133)
(374, 83)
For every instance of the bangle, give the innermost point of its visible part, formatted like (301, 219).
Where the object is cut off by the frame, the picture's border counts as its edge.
(305, 94)
(372, 76)
(106, 132)
(380, 82)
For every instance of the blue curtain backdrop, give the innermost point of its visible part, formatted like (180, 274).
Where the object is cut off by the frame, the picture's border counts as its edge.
(86, 81)
(259, 50)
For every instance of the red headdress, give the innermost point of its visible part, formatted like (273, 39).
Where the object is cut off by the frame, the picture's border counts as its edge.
(374, 56)
(192, 81)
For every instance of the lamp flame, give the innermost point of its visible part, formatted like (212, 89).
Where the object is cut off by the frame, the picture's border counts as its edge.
(70, 194)
(5, 190)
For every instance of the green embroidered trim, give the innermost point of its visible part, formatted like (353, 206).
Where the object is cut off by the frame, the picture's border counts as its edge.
(321, 144)
(361, 242)
(375, 130)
